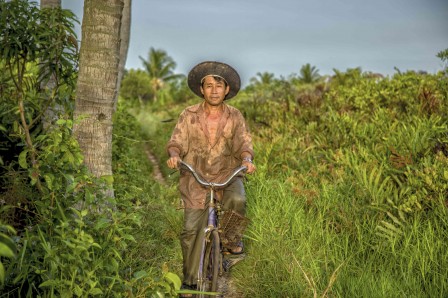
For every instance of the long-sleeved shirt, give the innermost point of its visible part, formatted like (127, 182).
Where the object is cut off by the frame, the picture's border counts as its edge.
(214, 162)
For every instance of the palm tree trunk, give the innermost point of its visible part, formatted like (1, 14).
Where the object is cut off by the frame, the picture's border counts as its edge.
(97, 83)
(50, 3)
(125, 33)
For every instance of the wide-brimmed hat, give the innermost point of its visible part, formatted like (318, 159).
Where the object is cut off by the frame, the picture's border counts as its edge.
(220, 69)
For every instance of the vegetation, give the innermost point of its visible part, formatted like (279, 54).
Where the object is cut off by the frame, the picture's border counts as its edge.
(160, 69)
(57, 238)
(308, 74)
(350, 196)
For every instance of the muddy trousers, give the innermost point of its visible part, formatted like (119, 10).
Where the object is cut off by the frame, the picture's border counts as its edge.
(195, 220)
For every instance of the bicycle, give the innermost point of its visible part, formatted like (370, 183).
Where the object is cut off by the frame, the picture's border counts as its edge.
(210, 263)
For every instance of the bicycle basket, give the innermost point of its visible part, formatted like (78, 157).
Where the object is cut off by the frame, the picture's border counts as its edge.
(232, 226)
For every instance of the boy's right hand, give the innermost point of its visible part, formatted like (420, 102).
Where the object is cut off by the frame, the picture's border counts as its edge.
(173, 162)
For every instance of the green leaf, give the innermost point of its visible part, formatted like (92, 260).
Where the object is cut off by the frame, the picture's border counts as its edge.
(70, 178)
(6, 251)
(129, 237)
(113, 264)
(140, 274)
(96, 245)
(2, 274)
(72, 186)
(68, 156)
(5, 239)
(61, 121)
(49, 180)
(78, 291)
(102, 223)
(109, 179)
(22, 159)
(174, 279)
(95, 291)
(49, 283)
(166, 286)
(7, 228)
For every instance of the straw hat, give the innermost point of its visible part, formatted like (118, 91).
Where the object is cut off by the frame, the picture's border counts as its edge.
(214, 68)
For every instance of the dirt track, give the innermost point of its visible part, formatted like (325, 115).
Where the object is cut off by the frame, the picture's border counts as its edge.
(227, 288)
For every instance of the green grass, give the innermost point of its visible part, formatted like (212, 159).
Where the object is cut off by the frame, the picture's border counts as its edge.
(332, 249)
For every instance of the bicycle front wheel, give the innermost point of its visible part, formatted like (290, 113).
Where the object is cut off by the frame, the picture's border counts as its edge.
(212, 262)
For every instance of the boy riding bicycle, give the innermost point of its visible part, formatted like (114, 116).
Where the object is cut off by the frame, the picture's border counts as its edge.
(212, 137)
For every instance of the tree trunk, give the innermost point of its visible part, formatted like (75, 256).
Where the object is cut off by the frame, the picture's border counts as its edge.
(50, 3)
(125, 33)
(97, 83)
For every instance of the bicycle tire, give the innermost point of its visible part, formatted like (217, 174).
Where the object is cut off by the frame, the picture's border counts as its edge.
(212, 262)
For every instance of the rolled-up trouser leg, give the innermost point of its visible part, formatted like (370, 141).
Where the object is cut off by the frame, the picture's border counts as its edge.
(195, 220)
(234, 197)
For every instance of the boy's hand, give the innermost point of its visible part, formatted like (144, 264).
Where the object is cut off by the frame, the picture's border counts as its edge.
(250, 166)
(173, 162)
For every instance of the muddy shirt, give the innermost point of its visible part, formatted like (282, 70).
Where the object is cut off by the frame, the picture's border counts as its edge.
(214, 162)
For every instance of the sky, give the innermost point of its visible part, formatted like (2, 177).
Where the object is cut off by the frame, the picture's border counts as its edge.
(280, 36)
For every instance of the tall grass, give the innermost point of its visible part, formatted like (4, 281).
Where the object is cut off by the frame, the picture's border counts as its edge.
(333, 248)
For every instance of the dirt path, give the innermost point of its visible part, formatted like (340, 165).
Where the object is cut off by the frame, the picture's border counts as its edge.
(227, 287)
(155, 166)
(225, 283)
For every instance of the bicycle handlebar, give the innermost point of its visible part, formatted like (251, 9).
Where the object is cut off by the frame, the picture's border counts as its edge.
(212, 184)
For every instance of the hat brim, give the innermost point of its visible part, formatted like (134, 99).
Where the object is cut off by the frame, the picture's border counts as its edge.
(214, 68)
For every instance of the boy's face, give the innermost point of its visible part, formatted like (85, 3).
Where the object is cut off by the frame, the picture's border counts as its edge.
(214, 90)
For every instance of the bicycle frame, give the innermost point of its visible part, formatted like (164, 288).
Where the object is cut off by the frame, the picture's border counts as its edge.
(212, 221)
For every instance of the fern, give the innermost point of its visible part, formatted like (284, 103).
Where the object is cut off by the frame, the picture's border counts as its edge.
(371, 180)
(391, 230)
